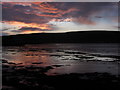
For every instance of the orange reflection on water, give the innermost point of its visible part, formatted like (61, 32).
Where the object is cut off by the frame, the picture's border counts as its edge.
(29, 58)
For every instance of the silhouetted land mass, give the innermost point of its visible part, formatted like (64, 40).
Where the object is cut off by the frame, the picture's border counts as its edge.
(69, 37)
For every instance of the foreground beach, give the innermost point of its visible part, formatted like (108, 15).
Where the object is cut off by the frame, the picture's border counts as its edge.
(34, 78)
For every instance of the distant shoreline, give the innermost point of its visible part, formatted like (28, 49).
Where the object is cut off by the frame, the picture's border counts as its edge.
(70, 37)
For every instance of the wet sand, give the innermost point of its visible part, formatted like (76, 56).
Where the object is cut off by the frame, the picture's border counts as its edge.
(34, 78)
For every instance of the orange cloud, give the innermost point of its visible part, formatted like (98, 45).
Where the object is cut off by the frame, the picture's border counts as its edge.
(47, 8)
(30, 31)
(44, 6)
(32, 25)
(42, 9)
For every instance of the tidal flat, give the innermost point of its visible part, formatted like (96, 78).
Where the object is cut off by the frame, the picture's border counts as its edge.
(61, 66)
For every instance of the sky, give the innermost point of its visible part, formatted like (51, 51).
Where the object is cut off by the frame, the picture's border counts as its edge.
(57, 17)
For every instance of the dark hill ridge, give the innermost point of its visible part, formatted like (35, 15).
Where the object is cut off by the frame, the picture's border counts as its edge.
(69, 37)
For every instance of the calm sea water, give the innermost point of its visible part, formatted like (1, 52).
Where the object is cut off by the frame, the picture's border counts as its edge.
(66, 58)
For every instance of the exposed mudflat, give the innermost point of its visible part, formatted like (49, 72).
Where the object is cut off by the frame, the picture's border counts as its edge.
(56, 67)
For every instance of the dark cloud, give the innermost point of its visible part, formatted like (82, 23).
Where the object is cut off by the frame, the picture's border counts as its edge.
(85, 10)
(16, 13)
(23, 29)
(84, 20)
(29, 28)
(33, 29)
(30, 14)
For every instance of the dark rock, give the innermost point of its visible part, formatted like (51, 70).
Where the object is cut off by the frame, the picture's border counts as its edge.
(11, 63)
(5, 66)
(57, 65)
(4, 61)
(38, 63)
(56, 55)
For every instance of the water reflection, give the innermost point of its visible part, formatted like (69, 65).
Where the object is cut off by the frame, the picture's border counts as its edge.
(63, 59)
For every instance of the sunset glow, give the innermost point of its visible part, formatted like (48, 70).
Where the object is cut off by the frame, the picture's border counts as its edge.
(38, 17)
(32, 25)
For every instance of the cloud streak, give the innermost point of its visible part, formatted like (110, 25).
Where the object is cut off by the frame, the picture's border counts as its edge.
(35, 16)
